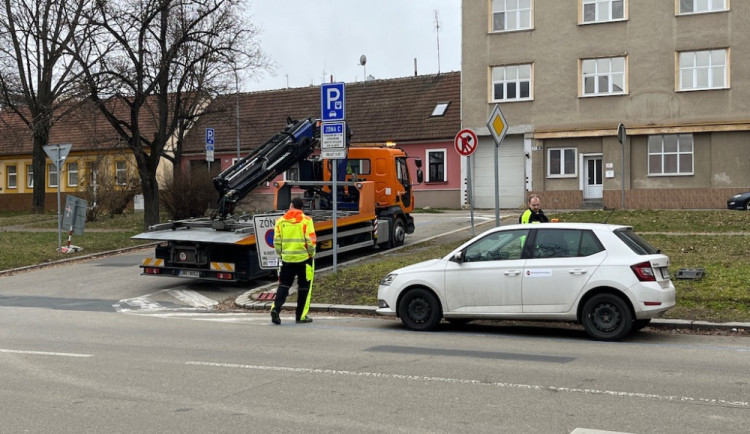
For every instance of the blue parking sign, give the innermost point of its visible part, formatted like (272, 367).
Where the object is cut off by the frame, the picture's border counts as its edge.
(332, 102)
(209, 136)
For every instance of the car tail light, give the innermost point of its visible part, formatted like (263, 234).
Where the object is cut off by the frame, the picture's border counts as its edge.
(150, 270)
(644, 272)
(224, 276)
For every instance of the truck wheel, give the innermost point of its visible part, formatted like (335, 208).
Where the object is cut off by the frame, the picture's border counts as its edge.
(398, 233)
(606, 317)
(420, 310)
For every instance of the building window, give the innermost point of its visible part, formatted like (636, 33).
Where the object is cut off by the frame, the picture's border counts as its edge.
(702, 6)
(511, 83)
(72, 174)
(121, 173)
(599, 11)
(51, 175)
(29, 176)
(561, 162)
(436, 165)
(12, 176)
(670, 154)
(440, 109)
(508, 15)
(701, 70)
(604, 76)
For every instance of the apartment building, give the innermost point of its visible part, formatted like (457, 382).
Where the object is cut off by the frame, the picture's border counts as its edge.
(674, 73)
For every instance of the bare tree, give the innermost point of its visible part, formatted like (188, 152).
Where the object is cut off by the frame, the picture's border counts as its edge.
(38, 81)
(162, 61)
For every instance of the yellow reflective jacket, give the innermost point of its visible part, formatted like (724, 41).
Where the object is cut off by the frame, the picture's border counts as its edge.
(294, 237)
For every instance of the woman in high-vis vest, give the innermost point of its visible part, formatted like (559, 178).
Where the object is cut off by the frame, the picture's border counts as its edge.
(294, 241)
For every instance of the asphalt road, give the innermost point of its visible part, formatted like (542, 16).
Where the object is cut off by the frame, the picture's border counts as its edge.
(95, 347)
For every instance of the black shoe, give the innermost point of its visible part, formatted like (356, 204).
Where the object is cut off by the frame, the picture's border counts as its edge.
(275, 317)
(304, 320)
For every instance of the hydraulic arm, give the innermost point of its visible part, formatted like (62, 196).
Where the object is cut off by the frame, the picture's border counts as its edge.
(279, 153)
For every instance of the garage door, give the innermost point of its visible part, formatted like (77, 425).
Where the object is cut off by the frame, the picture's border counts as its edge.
(511, 173)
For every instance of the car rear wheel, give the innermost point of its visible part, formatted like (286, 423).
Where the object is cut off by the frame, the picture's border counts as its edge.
(606, 317)
(420, 310)
(747, 205)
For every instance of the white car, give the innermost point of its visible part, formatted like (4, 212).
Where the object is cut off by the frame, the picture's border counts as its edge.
(606, 277)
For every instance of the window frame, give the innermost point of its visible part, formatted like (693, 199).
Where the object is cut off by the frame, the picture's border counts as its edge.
(517, 16)
(597, 76)
(696, 70)
(70, 172)
(444, 163)
(518, 82)
(52, 170)
(597, 10)
(708, 10)
(11, 176)
(29, 176)
(563, 161)
(121, 171)
(677, 154)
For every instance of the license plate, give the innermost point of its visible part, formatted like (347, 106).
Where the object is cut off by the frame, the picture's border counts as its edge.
(665, 273)
(190, 273)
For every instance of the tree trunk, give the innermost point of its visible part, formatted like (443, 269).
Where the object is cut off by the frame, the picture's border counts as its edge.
(38, 164)
(150, 200)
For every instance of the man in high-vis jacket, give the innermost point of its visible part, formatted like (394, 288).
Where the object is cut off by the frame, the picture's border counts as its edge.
(534, 213)
(294, 241)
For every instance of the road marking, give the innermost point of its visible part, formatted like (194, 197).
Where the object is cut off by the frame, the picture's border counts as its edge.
(143, 303)
(45, 353)
(193, 298)
(649, 396)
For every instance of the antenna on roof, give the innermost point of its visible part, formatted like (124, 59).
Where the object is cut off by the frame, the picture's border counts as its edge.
(363, 61)
(437, 31)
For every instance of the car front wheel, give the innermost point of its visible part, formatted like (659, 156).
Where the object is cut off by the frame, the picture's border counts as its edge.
(420, 310)
(606, 317)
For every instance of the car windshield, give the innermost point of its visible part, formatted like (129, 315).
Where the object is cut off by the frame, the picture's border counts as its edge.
(636, 242)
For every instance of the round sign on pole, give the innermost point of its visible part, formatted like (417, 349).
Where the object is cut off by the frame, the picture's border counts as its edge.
(465, 142)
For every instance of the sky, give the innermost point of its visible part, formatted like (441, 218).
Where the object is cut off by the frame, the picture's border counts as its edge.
(311, 40)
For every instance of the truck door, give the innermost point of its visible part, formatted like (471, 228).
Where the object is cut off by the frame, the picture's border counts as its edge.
(402, 173)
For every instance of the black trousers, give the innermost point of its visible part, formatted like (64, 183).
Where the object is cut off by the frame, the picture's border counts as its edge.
(290, 270)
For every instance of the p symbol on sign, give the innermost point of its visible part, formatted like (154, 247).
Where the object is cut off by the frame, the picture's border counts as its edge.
(333, 98)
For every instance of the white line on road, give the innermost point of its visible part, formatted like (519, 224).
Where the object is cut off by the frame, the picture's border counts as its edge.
(651, 396)
(44, 353)
(193, 298)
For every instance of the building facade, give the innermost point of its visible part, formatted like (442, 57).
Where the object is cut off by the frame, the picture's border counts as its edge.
(566, 74)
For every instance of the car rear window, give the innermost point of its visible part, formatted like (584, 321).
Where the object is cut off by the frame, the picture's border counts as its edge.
(636, 242)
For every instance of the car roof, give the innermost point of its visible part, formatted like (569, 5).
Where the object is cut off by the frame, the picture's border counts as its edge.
(569, 225)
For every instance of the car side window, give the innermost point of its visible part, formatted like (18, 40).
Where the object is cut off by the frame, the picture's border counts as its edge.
(497, 246)
(555, 243)
(590, 244)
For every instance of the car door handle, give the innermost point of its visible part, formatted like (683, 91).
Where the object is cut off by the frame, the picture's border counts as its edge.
(578, 271)
(512, 272)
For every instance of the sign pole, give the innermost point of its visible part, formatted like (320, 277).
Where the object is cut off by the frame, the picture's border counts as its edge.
(498, 126)
(621, 137)
(59, 214)
(470, 192)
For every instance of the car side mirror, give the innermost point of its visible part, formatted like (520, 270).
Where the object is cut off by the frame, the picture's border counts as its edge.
(458, 256)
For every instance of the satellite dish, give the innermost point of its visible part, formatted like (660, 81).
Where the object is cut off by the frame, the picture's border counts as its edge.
(362, 60)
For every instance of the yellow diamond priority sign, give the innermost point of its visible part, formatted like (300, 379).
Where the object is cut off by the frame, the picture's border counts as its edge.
(497, 125)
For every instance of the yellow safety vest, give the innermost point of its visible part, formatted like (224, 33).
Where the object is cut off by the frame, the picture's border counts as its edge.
(294, 237)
